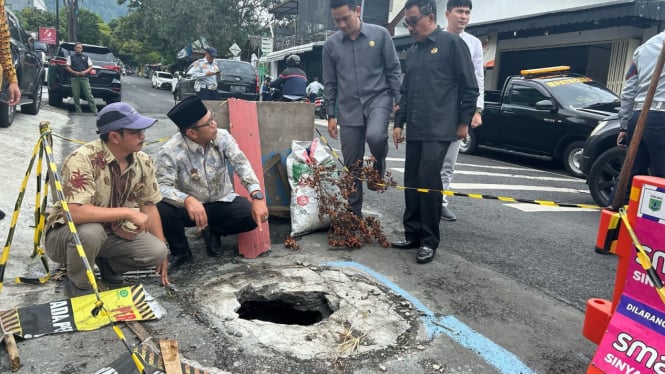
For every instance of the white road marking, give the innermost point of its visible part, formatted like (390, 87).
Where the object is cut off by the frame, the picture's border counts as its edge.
(512, 187)
(556, 179)
(485, 173)
(531, 208)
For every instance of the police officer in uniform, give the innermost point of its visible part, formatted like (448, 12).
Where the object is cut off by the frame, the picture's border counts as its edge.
(651, 152)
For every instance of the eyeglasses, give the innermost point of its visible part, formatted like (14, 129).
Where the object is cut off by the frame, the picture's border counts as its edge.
(209, 123)
(413, 21)
(132, 132)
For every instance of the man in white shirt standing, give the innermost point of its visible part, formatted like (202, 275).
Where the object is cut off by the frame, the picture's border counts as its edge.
(458, 14)
(314, 89)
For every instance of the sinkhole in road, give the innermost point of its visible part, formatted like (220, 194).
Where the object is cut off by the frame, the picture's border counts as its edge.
(296, 308)
(304, 311)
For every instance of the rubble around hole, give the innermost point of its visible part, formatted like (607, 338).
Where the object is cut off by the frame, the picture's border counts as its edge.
(356, 302)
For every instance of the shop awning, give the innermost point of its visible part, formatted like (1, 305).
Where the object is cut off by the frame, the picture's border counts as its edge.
(644, 11)
(279, 55)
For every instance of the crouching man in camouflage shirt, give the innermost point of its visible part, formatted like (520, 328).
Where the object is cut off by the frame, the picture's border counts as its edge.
(194, 180)
(103, 182)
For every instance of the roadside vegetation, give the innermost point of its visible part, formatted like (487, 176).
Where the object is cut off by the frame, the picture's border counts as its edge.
(153, 31)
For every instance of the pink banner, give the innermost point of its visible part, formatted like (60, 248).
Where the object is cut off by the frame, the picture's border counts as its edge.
(634, 341)
(635, 338)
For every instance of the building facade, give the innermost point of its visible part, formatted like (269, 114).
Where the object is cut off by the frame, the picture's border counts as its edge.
(16, 5)
(594, 37)
(302, 27)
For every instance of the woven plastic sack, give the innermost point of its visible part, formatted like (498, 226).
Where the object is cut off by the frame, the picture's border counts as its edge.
(304, 200)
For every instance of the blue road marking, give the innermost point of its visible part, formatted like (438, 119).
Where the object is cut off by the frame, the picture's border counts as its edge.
(495, 355)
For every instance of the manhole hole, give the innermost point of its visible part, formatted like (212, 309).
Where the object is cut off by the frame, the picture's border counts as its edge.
(298, 308)
(305, 312)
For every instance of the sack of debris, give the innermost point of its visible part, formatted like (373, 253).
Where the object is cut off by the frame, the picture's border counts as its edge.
(306, 157)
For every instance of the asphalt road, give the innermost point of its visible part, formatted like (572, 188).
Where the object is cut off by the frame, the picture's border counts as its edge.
(518, 275)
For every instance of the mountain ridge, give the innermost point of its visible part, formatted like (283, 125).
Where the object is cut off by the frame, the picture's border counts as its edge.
(107, 9)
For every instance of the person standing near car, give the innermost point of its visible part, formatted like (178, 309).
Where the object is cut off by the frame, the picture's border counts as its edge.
(265, 89)
(458, 13)
(361, 76)
(292, 81)
(206, 73)
(79, 66)
(439, 96)
(7, 65)
(650, 155)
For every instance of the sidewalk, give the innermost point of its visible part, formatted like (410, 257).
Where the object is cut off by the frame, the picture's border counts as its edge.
(199, 336)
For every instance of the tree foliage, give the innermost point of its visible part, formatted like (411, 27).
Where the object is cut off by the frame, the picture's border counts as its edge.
(155, 30)
(168, 26)
(32, 18)
(91, 29)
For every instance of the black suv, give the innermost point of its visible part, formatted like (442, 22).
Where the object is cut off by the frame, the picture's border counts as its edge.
(29, 67)
(602, 160)
(238, 79)
(104, 77)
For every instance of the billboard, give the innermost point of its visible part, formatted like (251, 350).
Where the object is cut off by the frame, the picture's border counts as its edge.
(47, 35)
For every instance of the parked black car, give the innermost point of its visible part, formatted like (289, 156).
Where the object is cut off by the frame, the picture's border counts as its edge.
(104, 77)
(602, 160)
(238, 80)
(29, 68)
(546, 113)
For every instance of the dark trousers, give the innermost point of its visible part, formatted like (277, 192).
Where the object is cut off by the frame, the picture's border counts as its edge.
(353, 138)
(422, 169)
(224, 218)
(206, 94)
(650, 156)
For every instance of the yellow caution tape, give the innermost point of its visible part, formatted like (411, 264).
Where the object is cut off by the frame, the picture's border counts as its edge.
(472, 195)
(642, 255)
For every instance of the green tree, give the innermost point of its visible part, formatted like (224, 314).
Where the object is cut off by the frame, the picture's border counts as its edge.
(32, 18)
(167, 27)
(89, 27)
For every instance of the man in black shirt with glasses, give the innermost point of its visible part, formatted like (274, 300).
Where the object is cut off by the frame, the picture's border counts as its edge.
(439, 95)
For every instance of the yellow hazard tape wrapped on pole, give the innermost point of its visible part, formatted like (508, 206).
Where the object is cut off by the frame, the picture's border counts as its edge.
(99, 305)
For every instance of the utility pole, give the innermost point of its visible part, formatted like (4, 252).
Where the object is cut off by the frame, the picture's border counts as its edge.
(57, 23)
(72, 19)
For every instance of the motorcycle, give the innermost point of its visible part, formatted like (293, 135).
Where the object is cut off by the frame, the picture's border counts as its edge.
(320, 107)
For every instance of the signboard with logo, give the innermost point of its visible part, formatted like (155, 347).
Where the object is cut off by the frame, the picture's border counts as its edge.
(635, 338)
(266, 45)
(47, 35)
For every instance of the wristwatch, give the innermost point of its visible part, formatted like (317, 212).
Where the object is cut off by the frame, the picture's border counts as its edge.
(257, 196)
(331, 116)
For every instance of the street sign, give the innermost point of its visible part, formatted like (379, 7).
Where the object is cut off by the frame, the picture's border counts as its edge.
(266, 45)
(47, 35)
(234, 49)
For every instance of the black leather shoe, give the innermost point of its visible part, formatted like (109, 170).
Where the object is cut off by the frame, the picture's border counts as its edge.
(213, 243)
(405, 244)
(176, 261)
(106, 273)
(425, 254)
